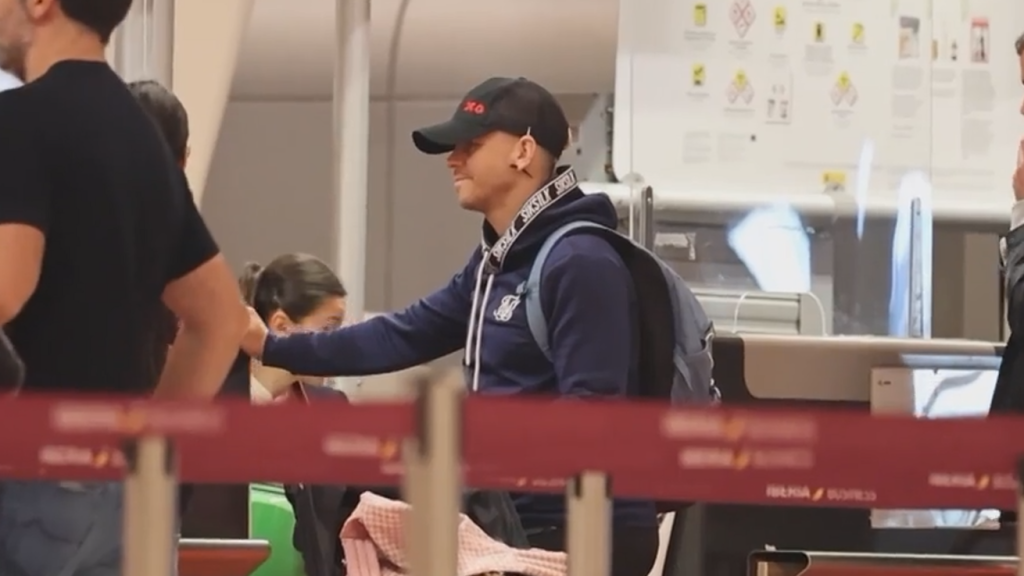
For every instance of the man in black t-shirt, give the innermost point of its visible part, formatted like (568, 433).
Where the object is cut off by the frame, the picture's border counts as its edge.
(98, 229)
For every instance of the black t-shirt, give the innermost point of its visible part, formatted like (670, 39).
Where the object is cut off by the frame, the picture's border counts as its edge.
(81, 161)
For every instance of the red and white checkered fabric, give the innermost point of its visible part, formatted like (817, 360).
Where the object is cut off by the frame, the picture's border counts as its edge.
(374, 543)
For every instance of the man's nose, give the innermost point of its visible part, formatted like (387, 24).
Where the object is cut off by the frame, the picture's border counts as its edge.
(454, 159)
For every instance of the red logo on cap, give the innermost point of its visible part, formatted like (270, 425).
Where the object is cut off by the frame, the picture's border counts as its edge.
(473, 107)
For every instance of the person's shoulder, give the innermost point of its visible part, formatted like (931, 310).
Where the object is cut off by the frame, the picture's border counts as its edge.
(19, 110)
(586, 246)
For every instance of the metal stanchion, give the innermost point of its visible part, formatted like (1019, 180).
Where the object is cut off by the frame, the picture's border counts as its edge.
(589, 533)
(433, 477)
(917, 324)
(150, 496)
(647, 232)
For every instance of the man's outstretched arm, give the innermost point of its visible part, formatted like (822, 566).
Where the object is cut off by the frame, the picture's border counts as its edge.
(427, 330)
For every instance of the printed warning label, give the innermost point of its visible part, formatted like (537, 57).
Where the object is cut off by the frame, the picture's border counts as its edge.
(700, 15)
(834, 180)
(819, 32)
(843, 91)
(857, 34)
(742, 16)
(699, 75)
(780, 19)
(740, 90)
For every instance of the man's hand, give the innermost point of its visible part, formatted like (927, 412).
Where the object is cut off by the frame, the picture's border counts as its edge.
(255, 336)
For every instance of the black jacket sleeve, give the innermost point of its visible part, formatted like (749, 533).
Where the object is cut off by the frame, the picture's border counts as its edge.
(1012, 248)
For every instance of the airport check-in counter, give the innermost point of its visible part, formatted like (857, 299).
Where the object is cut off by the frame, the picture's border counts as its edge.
(869, 373)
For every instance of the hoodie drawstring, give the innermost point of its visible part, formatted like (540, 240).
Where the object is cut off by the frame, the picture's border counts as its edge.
(475, 329)
(480, 334)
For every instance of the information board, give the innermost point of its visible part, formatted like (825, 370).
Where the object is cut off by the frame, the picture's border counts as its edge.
(784, 98)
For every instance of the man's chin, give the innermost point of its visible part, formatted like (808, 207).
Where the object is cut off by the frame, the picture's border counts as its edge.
(468, 202)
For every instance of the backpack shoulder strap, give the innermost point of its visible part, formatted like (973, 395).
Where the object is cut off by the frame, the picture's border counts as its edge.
(530, 289)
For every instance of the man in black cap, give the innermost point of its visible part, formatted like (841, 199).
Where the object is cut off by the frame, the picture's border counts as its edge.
(503, 144)
(512, 131)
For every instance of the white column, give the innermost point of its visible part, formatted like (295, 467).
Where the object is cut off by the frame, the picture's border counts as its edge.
(351, 146)
(588, 524)
(144, 44)
(150, 507)
(432, 483)
(207, 46)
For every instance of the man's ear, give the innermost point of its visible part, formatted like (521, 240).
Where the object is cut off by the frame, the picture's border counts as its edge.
(39, 9)
(526, 151)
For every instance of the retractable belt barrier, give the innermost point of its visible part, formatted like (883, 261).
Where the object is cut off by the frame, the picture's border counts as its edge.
(589, 450)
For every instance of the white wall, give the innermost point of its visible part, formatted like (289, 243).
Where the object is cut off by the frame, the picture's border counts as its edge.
(270, 191)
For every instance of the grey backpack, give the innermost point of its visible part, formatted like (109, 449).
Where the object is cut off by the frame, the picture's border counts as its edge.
(674, 330)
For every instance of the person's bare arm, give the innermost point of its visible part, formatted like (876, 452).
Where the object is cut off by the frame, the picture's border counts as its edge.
(21, 259)
(213, 321)
(25, 197)
(204, 296)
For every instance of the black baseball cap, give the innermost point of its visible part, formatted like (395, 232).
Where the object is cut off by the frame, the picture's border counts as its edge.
(513, 105)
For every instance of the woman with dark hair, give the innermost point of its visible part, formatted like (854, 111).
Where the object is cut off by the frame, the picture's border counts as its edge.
(294, 293)
(300, 293)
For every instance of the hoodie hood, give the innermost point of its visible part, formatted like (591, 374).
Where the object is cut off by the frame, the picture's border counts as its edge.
(555, 204)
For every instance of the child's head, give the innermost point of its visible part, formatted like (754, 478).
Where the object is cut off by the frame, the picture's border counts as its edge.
(295, 292)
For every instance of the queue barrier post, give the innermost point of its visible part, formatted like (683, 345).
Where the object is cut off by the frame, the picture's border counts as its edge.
(433, 477)
(588, 511)
(150, 506)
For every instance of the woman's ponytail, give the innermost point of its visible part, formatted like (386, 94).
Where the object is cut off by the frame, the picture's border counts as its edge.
(249, 282)
(261, 289)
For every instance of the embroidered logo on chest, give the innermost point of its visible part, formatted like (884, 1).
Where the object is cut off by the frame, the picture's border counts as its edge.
(507, 306)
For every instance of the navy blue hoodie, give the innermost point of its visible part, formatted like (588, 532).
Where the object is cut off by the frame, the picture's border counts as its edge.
(587, 296)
